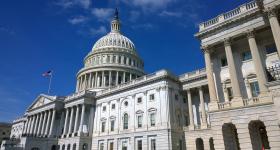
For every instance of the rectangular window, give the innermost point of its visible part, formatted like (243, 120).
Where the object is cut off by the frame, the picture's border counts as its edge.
(124, 145)
(139, 145)
(101, 146)
(224, 62)
(255, 89)
(153, 119)
(270, 48)
(104, 108)
(176, 97)
(139, 100)
(112, 125)
(113, 106)
(103, 126)
(246, 56)
(111, 145)
(152, 97)
(153, 144)
(229, 92)
(139, 121)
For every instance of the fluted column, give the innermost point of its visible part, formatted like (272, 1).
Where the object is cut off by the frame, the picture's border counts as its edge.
(44, 123)
(103, 79)
(71, 121)
(40, 124)
(232, 70)
(48, 123)
(66, 122)
(202, 106)
(110, 78)
(275, 27)
(82, 119)
(117, 77)
(96, 79)
(259, 68)
(210, 77)
(190, 108)
(36, 125)
(76, 119)
(52, 122)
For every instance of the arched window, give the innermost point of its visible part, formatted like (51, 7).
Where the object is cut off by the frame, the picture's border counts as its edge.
(199, 144)
(211, 144)
(230, 135)
(258, 135)
(125, 121)
(74, 147)
(63, 147)
(68, 147)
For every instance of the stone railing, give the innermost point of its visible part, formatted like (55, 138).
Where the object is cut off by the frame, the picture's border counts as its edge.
(245, 102)
(245, 8)
(78, 94)
(193, 74)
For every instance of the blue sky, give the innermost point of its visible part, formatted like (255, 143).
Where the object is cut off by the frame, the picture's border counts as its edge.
(38, 35)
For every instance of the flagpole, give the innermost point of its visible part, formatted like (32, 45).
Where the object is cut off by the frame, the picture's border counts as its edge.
(50, 82)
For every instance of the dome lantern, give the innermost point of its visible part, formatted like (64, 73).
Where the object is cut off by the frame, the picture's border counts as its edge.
(115, 24)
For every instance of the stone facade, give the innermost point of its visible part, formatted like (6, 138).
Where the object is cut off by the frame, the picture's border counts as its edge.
(232, 104)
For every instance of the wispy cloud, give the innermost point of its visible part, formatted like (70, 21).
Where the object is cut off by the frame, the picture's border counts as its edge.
(7, 30)
(149, 4)
(170, 14)
(134, 15)
(102, 14)
(145, 26)
(78, 20)
(97, 31)
(72, 3)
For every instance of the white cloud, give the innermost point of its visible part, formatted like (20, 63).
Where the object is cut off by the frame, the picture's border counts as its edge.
(78, 20)
(146, 26)
(103, 14)
(71, 3)
(171, 14)
(134, 15)
(149, 4)
(98, 31)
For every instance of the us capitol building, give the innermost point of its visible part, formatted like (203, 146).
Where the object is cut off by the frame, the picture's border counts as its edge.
(233, 104)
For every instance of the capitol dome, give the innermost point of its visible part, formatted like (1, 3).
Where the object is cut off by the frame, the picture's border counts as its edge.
(113, 60)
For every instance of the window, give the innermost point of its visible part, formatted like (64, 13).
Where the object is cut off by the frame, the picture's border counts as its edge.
(112, 125)
(153, 144)
(152, 96)
(103, 124)
(101, 147)
(139, 121)
(113, 106)
(153, 119)
(185, 100)
(124, 145)
(229, 92)
(246, 56)
(176, 97)
(186, 121)
(104, 108)
(139, 145)
(224, 62)
(125, 103)
(111, 145)
(179, 119)
(125, 121)
(139, 100)
(270, 48)
(255, 89)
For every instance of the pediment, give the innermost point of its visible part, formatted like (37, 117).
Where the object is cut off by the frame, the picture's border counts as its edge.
(41, 100)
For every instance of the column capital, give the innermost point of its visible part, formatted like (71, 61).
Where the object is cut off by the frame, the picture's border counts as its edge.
(250, 33)
(271, 12)
(205, 48)
(227, 41)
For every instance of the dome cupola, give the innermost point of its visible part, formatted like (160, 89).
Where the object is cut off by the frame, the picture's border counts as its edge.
(113, 60)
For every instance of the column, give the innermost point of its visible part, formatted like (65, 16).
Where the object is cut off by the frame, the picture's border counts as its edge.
(52, 122)
(26, 126)
(103, 79)
(124, 77)
(259, 68)
(210, 77)
(40, 124)
(30, 125)
(202, 106)
(232, 70)
(77, 86)
(86, 81)
(117, 77)
(130, 76)
(76, 119)
(44, 123)
(71, 121)
(96, 79)
(48, 123)
(191, 126)
(36, 124)
(82, 118)
(274, 24)
(110, 78)
(66, 122)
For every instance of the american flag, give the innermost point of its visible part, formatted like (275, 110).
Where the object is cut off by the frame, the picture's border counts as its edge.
(47, 74)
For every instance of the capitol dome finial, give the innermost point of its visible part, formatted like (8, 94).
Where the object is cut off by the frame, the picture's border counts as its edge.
(115, 24)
